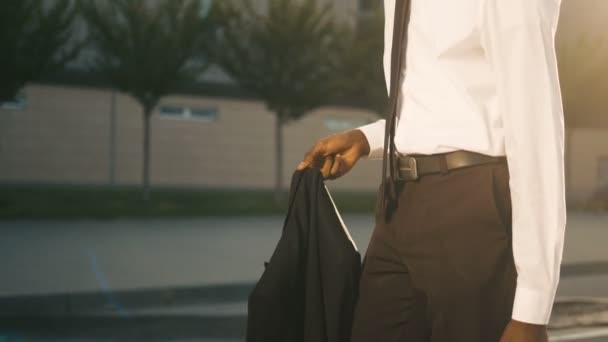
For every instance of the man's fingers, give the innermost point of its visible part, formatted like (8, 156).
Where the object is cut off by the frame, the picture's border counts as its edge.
(312, 156)
(337, 168)
(327, 164)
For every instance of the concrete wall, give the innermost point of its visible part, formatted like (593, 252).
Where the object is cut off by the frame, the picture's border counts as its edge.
(587, 146)
(60, 136)
(63, 136)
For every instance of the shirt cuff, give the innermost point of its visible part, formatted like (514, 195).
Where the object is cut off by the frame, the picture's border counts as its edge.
(374, 133)
(531, 306)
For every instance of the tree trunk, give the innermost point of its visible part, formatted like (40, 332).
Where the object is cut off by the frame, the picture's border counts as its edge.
(112, 152)
(278, 189)
(146, 159)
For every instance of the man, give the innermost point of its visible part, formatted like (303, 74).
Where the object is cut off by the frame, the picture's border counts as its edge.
(473, 252)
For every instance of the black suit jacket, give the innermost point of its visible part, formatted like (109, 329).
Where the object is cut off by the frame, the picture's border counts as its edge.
(308, 290)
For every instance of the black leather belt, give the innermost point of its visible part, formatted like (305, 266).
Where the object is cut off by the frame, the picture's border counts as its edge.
(413, 166)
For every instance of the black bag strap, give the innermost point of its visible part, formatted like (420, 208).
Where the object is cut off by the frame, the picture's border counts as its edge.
(399, 44)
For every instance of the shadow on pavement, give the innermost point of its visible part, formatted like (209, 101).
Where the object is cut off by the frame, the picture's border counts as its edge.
(147, 327)
(197, 312)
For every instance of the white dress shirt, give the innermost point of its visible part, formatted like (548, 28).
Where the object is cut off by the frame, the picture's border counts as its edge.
(481, 75)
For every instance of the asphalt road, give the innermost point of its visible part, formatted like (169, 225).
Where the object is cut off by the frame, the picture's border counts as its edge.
(599, 334)
(89, 258)
(38, 257)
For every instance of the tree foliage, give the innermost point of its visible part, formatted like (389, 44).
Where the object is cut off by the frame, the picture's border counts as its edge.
(283, 55)
(359, 76)
(36, 39)
(147, 48)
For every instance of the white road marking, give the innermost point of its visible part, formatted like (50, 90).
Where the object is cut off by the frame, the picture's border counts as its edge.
(577, 336)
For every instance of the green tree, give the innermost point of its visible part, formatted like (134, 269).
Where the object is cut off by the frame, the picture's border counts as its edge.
(283, 56)
(35, 39)
(359, 73)
(148, 49)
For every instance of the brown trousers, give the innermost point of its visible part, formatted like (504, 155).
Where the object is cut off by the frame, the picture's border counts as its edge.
(442, 269)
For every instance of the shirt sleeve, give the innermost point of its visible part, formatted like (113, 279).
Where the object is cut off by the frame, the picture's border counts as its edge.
(518, 39)
(374, 133)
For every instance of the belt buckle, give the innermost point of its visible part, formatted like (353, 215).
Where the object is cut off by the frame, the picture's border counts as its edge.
(408, 164)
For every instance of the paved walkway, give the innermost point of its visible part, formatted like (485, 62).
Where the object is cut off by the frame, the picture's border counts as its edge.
(46, 258)
(83, 256)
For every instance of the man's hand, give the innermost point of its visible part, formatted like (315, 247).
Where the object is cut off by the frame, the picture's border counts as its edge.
(523, 332)
(336, 154)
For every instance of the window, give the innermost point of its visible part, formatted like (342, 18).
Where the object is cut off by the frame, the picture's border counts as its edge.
(208, 114)
(172, 111)
(343, 124)
(20, 103)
